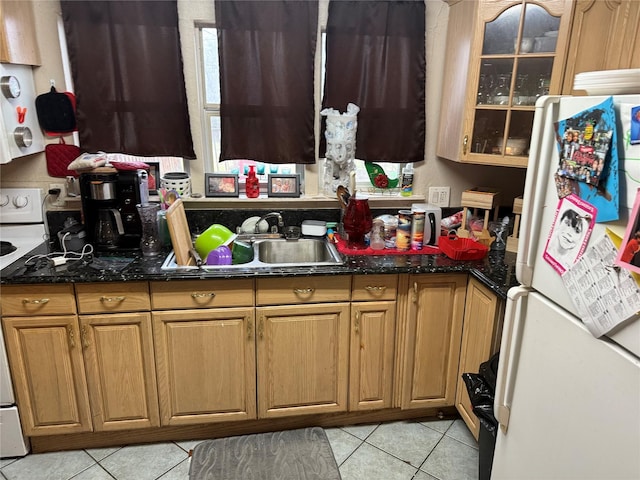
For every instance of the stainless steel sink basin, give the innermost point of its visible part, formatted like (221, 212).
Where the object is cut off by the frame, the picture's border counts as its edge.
(278, 252)
(302, 251)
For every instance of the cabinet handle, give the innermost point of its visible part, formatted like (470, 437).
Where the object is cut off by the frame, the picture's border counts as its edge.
(83, 336)
(35, 302)
(357, 323)
(465, 144)
(203, 295)
(121, 298)
(304, 291)
(375, 288)
(261, 327)
(72, 339)
(249, 328)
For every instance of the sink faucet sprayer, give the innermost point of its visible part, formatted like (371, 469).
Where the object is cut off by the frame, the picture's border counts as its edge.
(274, 228)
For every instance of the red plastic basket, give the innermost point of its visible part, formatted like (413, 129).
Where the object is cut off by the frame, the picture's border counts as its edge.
(462, 248)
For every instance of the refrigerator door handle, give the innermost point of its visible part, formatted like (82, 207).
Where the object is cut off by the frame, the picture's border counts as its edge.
(509, 353)
(532, 208)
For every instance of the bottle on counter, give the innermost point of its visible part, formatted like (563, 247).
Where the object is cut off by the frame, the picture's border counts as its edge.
(406, 184)
(377, 234)
(252, 185)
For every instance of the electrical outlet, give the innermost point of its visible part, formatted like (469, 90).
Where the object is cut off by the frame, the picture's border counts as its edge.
(439, 196)
(58, 200)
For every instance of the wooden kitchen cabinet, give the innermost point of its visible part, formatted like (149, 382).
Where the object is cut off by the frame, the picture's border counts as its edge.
(431, 329)
(42, 337)
(117, 342)
(604, 36)
(500, 56)
(373, 326)
(18, 42)
(204, 334)
(302, 345)
(483, 317)
(206, 365)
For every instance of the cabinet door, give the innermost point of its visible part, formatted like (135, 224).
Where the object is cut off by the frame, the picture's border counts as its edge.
(302, 359)
(371, 355)
(483, 315)
(18, 43)
(121, 374)
(433, 332)
(501, 56)
(604, 36)
(206, 365)
(45, 357)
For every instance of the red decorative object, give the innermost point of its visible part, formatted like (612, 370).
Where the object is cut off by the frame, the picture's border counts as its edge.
(381, 180)
(357, 221)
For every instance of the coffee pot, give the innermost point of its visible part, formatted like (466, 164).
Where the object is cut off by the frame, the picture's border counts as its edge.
(109, 228)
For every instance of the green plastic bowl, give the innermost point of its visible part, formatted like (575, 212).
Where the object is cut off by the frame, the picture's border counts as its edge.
(213, 237)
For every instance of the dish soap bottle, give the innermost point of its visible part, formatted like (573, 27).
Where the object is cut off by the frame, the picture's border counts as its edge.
(252, 185)
(406, 185)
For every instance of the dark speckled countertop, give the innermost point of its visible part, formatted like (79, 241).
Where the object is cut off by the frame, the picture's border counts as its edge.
(496, 270)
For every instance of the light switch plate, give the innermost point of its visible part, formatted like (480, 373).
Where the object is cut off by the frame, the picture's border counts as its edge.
(439, 196)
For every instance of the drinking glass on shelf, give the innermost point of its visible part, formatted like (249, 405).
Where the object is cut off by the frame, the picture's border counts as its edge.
(501, 92)
(484, 89)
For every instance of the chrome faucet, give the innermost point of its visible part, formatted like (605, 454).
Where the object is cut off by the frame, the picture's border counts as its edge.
(270, 215)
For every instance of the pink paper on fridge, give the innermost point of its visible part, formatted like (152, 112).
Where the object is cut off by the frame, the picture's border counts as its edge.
(572, 226)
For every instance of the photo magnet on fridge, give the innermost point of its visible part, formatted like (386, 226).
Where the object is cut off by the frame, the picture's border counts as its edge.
(629, 253)
(569, 235)
(588, 168)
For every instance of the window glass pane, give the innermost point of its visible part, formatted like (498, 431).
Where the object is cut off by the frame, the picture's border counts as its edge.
(210, 67)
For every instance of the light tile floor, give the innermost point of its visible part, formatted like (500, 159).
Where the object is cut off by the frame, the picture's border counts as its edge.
(439, 449)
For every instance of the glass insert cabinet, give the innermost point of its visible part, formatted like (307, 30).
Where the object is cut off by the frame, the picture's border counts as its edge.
(500, 57)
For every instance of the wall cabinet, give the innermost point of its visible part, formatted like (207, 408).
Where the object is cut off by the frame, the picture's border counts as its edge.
(18, 42)
(302, 345)
(205, 350)
(483, 316)
(604, 36)
(500, 56)
(372, 350)
(432, 333)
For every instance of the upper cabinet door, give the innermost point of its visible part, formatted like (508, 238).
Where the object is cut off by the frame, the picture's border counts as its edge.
(18, 43)
(501, 56)
(604, 36)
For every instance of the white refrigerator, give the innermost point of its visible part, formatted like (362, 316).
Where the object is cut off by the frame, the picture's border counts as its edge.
(568, 403)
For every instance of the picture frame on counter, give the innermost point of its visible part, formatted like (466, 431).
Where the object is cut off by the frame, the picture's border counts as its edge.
(154, 172)
(285, 185)
(221, 185)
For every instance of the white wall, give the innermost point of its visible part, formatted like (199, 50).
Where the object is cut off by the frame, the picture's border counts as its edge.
(31, 171)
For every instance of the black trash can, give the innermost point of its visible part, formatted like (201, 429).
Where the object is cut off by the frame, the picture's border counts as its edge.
(481, 387)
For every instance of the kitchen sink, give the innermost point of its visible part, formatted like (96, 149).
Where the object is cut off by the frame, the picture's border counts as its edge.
(277, 252)
(303, 251)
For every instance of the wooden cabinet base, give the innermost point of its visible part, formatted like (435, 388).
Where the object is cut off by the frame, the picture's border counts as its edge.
(55, 443)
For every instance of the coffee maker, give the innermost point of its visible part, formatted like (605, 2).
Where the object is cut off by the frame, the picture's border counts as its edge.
(109, 199)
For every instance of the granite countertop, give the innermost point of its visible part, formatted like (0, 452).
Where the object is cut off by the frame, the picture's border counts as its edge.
(496, 270)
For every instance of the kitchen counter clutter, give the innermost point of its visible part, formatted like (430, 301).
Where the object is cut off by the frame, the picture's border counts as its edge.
(496, 270)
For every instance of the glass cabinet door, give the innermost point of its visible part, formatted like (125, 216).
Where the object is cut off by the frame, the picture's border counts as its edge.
(516, 63)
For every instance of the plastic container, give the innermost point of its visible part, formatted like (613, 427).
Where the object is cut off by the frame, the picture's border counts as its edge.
(377, 234)
(462, 248)
(219, 256)
(252, 185)
(314, 228)
(406, 184)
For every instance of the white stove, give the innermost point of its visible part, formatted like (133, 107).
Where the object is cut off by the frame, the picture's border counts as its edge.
(21, 223)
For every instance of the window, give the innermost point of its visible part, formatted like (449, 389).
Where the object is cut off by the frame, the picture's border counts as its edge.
(210, 99)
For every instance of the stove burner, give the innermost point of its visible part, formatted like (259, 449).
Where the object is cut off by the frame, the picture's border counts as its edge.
(6, 248)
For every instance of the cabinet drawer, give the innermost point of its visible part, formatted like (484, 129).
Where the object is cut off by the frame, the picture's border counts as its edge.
(291, 290)
(112, 297)
(202, 294)
(20, 300)
(374, 287)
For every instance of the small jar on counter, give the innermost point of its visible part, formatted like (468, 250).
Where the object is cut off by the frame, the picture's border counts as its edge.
(377, 235)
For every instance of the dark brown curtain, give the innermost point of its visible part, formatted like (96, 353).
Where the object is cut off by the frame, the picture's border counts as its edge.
(376, 59)
(267, 53)
(128, 77)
